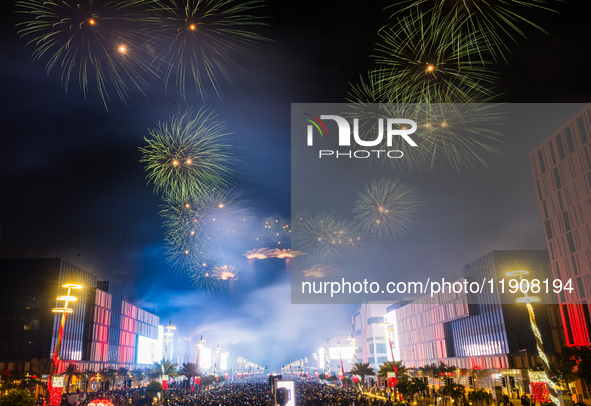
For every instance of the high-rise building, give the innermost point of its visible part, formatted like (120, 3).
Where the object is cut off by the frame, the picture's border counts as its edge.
(103, 330)
(486, 330)
(561, 168)
(371, 333)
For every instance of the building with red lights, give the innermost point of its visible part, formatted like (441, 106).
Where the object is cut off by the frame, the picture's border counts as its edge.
(561, 168)
(103, 330)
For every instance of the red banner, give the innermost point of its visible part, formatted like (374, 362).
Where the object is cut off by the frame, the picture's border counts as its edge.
(355, 379)
(164, 384)
(198, 380)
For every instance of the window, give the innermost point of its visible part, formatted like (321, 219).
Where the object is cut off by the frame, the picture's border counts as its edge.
(541, 161)
(557, 178)
(568, 135)
(571, 242)
(566, 221)
(582, 130)
(560, 147)
(375, 320)
(548, 229)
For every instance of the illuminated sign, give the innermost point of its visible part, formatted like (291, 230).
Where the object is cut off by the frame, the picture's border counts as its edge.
(290, 386)
(205, 359)
(344, 353)
(321, 358)
(148, 350)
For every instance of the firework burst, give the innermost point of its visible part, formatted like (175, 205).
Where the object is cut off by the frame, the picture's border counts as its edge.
(187, 156)
(322, 271)
(385, 208)
(99, 41)
(457, 137)
(199, 40)
(207, 224)
(328, 238)
(427, 60)
(275, 232)
(498, 21)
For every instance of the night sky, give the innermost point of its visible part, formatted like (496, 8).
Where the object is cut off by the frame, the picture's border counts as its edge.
(71, 184)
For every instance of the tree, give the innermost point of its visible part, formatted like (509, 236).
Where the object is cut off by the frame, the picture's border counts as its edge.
(389, 367)
(137, 376)
(17, 397)
(165, 367)
(363, 370)
(122, 373)
(40, 367)
(70, 371)
(153, 388)
(109, 375)
(190, 370)
(480, 395)
(453, 390)
(575, 363)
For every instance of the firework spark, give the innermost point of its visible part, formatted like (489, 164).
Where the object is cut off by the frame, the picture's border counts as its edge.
(275, 232)
(385, 208)
(210, 223)
(199, 40)
(328, 237)
(261, 253)
(499, 21)
(322, 271)
(424, 60)
(98, 40)
(187, 156)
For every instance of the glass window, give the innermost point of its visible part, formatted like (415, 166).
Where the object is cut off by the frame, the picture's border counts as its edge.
(568, 135)
(582, 130)
(559, 146)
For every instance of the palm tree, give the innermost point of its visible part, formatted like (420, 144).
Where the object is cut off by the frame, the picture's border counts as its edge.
(40, 367)
(122, 373)
(389, 367)
(165, 367)
(71, 370)
(363, 370)
(87, 376)
(138, 376)
(189, 370)
(109, 374)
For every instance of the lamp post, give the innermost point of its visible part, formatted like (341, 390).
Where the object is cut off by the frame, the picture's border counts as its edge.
(528, 300)
(316, 360)
(341, 357)
(215, 365)
(56, 367)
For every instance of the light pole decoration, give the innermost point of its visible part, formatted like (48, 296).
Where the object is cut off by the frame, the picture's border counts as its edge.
(55, 389)
(199, 347)
(307, 367)
(316, 359)
(168, 335)
(528, 300)
(215, 365)
(341, 358)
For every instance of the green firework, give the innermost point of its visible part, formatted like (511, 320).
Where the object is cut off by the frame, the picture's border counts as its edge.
(275, 232)
(187, 156)
(427, 60)
(98, 41)
(386, 208)
(204, 225)
(327, 238)
(497, 21)
(199, 40)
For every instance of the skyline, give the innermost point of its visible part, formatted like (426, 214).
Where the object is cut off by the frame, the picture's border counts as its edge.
(73, 186)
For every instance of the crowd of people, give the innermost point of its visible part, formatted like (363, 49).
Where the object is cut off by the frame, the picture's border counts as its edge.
(253, 393)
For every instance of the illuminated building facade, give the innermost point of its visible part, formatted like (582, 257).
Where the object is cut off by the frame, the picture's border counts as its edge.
(561, 168)
(370, 331)
(333, 351)
(481, 331)
(102, 331)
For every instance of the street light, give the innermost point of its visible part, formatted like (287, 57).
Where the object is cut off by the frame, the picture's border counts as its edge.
(55, 397)
(528, 300)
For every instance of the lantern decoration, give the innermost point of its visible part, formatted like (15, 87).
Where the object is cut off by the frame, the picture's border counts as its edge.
(55, 386)
(326, 376)
(225, 375)
(101, 402)
(392, 381)
(539, 392)
(355, 379)
(198, 380)
(165, 384)
(316, 374)
(216, 378)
